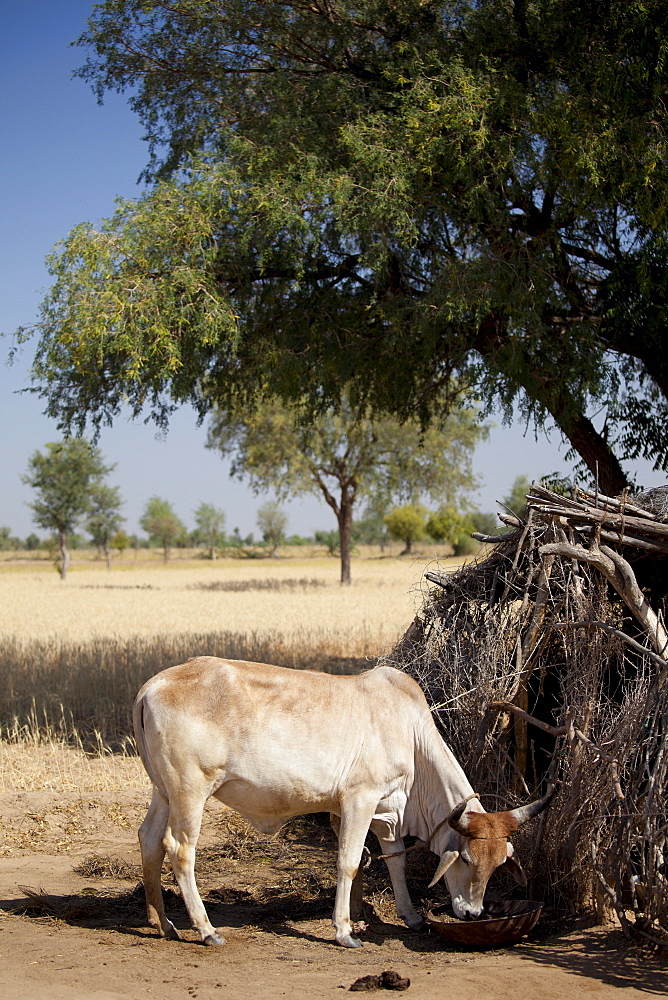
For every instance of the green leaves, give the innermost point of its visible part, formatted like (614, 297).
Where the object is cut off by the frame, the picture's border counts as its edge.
(391, 204)
(64, 477)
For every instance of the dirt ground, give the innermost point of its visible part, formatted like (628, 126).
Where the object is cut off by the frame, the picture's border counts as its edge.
(72, 921)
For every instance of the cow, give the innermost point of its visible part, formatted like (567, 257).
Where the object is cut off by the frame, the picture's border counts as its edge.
(273, 743)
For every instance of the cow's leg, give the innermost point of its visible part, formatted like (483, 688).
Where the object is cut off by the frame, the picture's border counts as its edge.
(185, 820)
(355, 819)
(357, 888)
(151, 834)
(395, 858)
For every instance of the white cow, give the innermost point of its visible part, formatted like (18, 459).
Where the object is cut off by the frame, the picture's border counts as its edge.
(273, 743)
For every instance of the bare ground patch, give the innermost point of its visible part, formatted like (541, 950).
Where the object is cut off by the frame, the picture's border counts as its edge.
(72, 920)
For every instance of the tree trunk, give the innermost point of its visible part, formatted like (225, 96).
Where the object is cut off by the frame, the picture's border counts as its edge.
(593, 448)
(107, 555)
(64, 555)
(409, 547)
(345, 519)
(596, 454)
(165, 553)
(213, 552)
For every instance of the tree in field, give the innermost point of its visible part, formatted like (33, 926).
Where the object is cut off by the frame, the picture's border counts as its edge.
(210, 526)
(451, 525)
(8, 542)
(161, 524)
(272, 522)
(516, 500)
(64, 478)
(104, 516)
(120, 542)
(407, 524)
(331, 540)
(344, 459)
(370, 529)
(392, 201)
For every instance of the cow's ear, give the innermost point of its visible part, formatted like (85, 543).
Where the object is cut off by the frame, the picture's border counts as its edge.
(515, 867)
(447, 858)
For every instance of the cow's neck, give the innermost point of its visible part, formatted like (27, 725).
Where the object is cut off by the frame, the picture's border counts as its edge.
(439, 785)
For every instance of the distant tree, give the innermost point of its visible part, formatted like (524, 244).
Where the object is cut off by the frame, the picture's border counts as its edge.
(272, 522)
(32, 542)
(516, 500)
(370, 529)
(63, 478)
(407, 524)
(485, 522)
(331, 540)
(344, 458)
(104, 516)
(120, 542)
(161, 524)
(8, 542)
(451, 525)
(298, 540)
(210, 522)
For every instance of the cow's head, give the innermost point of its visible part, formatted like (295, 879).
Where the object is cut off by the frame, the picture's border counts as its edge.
(483, 847)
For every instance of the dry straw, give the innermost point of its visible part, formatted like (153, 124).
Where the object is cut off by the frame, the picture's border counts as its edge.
(546, 662)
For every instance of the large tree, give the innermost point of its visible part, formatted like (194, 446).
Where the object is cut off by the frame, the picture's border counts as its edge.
(64, 477)
(380, 197)
(343, 458)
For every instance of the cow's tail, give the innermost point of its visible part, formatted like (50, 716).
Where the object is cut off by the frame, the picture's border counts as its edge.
(138, 710)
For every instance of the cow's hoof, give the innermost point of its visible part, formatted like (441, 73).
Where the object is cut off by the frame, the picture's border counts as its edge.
(415, 925)
(171, 933)
(349, 941)
(213, 939)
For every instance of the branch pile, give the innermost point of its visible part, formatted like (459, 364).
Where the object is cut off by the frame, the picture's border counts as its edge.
(548, 659)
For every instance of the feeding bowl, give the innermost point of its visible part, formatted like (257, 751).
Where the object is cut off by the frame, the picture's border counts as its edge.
(501, 923)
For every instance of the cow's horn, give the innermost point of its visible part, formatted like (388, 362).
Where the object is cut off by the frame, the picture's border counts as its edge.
(455, 817)
(523, 813)
(447, 858)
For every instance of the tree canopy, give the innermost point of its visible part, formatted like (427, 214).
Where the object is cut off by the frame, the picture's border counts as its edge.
(104, 516)
(210, 526)
(344, 458)
(400, 201)
(161, 524)
(65, 478)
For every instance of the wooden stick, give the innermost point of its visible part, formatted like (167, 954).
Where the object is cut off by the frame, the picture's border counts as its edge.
(639, 543)
(639, 648)
(620, 575)
(507, 706)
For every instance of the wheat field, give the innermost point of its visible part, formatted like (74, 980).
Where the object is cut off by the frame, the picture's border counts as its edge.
(290, 598)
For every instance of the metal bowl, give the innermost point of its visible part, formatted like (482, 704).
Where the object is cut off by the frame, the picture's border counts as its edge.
(501, 923)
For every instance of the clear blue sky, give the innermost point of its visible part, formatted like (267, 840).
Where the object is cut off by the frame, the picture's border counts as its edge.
(65, 160)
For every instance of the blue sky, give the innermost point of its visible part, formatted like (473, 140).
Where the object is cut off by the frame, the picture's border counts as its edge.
(66, 159)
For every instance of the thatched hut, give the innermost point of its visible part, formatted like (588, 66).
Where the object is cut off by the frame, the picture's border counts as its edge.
(547, 659)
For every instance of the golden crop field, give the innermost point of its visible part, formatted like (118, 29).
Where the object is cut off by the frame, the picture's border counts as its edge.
(74, 653)
(290, 598)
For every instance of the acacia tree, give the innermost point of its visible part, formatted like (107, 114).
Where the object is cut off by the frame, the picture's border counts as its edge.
(161, 524)
(104, 516)
(272, 522)
(386, 199)
(210, 522)
(64, 478)
(343, 459)
(407, 524)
